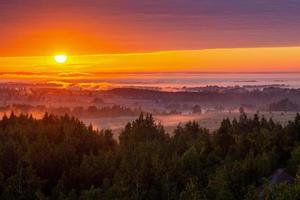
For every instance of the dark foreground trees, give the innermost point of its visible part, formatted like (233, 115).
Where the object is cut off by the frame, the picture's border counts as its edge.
(61, 158)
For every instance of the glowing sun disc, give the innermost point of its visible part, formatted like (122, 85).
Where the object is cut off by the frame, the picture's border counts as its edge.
(60, 58)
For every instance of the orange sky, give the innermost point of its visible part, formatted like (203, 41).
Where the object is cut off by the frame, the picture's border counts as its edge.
(178, 35)
(213, 60)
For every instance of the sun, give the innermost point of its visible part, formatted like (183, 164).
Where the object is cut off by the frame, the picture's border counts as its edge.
(60, 58)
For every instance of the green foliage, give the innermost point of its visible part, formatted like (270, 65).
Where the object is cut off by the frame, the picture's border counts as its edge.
(282, 191)
(61, 158)
(191, 192)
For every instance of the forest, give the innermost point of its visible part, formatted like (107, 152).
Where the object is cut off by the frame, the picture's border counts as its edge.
(78, 111)
(58, 157)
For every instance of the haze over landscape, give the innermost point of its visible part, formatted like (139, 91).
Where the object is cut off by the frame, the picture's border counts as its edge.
(143, 99)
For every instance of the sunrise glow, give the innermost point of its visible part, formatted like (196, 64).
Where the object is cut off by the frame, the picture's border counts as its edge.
(60, 58)
(150, 99)
(97, 38)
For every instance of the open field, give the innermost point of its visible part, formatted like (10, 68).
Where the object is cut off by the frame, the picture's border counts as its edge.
(209, 120)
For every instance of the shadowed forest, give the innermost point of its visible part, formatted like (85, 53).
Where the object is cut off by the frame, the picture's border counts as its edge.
(149, 100)
(61, 158)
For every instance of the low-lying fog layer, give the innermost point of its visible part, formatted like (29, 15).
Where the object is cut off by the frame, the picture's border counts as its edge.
(208, 120)
(172, 81)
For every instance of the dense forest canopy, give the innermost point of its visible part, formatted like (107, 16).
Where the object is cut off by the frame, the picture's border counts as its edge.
(61, 158)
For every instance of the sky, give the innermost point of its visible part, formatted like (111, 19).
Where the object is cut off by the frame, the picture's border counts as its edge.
(147, 35)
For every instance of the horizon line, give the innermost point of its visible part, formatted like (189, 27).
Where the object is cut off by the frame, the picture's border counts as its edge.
(148, 72)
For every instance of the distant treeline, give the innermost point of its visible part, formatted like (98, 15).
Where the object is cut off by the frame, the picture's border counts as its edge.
(80, 111)
(219, 96)
(61, 158)
(210, 96)
(284, 105)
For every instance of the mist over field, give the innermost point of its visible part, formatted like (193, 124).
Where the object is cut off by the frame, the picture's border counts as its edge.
(149, 100)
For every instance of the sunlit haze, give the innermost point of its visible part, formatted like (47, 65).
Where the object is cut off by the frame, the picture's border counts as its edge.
(136, 36)
(149, 99)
